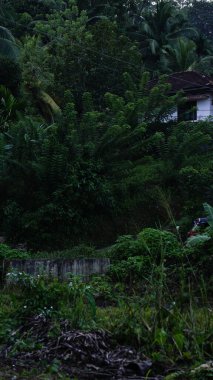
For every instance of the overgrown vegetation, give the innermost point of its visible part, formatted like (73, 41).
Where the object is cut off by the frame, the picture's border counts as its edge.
(82, 135)
(92, 166)
(155, 298)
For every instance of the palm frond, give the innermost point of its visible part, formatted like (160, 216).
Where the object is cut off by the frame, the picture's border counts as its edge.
(8, 46)
(186, 32)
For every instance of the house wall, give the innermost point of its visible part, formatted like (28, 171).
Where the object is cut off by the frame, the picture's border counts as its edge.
(173, 116)
(204, 109)
(211, 106)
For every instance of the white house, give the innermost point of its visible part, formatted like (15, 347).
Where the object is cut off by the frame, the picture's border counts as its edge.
(198, 90)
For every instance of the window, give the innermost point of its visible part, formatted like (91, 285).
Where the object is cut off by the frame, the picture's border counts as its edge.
(187, 111)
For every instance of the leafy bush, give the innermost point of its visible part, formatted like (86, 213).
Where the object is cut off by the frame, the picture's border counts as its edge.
(8, 323)
(73, 300)
(199, 248)
(125, 247)
(132, 259)
(200, 258)
(131, 270)
(103, 289)
(9, 253)
(159, 243)
(149, 241)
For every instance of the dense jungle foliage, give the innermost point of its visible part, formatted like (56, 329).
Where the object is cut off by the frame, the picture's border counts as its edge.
(89, 159)
(84, 154)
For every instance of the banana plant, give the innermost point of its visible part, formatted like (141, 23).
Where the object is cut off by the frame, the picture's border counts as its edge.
(209, 212)
(201, 238)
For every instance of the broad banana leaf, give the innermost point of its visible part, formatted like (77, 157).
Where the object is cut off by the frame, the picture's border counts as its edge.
(197, 240)
(209, 212)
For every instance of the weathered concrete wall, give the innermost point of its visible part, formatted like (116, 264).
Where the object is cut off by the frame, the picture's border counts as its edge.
(60, 268)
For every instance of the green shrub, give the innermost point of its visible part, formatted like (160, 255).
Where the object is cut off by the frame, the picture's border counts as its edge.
(73, 300)
(103, 289)
(159, 243)
(200, 258)
(131, 270)
(126, 246)
(132, 258)
(8, 323)
(7, 253)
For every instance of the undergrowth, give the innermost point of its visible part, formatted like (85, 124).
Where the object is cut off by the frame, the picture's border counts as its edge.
(156, 297)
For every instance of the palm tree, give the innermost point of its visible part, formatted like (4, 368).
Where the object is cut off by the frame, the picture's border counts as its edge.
(182, 57)
(8, 46)
(204, 46)
(163, 25)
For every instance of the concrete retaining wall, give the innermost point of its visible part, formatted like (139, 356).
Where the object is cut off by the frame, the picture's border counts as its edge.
(60, 268)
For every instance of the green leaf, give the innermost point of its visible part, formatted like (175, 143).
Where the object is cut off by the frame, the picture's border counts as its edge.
(197, 240)
(179, 340)
(209, 211)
